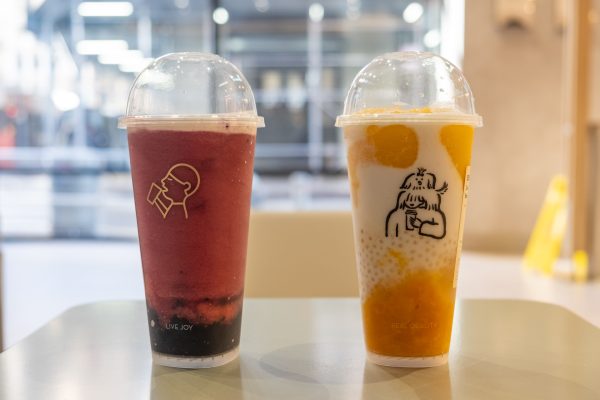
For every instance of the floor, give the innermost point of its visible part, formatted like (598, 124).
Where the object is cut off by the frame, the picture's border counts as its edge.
(44, 278)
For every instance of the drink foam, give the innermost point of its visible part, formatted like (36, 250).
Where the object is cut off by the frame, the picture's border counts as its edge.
(190, 125)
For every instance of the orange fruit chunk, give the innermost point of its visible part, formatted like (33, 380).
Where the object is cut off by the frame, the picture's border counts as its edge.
(412, 317)
(395, 146)
(392, 146)
(458, 141)
(357, 153)
(393, 257)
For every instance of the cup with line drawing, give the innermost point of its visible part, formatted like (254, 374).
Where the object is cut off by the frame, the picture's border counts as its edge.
(408, 125)
(191, 126)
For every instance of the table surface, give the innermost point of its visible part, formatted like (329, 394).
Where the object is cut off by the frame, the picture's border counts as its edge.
(309, 349)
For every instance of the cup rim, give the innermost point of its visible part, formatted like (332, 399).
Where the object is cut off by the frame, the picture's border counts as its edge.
(361, 119)
(232, 118)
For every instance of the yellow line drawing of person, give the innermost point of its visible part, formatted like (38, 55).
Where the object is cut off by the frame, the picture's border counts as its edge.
(178, 184)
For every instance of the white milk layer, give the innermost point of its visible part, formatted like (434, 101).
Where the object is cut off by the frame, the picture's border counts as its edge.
(422, 232)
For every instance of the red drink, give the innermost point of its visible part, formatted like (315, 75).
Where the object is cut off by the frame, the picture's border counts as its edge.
(192, 185)
(191, 122)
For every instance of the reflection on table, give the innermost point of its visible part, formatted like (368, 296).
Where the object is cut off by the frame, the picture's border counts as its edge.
(310, 349)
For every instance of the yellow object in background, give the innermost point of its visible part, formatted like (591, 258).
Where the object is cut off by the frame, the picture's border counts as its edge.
(543, 248)
(580, 266)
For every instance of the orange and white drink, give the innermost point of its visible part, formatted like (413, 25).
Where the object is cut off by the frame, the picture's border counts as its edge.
(408, 165)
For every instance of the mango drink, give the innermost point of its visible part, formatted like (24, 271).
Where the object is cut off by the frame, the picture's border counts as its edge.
(408, 170)
(407, 244)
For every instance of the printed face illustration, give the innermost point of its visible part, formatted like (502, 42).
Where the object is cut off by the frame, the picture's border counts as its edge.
(415, 201)
(419, 180)
(174, 189)
(179, 183)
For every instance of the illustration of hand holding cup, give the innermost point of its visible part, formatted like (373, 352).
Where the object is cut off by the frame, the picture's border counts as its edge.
(412, 220)
(419, 203)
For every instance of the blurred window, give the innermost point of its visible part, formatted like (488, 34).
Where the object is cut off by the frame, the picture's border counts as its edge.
(67, 67)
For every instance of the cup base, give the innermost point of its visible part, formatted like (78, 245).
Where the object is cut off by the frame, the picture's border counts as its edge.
(195, 362)
(407, 362)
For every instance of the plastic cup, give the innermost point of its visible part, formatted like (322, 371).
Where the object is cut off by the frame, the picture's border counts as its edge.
(408, 125)
(191, 123)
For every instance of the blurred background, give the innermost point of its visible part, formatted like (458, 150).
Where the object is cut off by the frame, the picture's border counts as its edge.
(67, 67)
(66, 201)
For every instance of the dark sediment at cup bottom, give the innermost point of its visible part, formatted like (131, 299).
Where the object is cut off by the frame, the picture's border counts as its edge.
(181, 337)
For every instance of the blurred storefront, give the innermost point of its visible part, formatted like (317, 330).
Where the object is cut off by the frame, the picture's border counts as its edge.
(67, 67)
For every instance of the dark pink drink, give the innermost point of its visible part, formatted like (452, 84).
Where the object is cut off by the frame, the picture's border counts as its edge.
(192, 187)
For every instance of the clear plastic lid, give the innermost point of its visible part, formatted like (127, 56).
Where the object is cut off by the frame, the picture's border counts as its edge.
(183, 87)
(409, 87)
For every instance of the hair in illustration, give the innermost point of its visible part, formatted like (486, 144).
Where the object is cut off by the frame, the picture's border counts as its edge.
(429, 200)
(422, 180)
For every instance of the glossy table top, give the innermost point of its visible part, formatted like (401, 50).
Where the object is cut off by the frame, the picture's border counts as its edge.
(309, 349)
